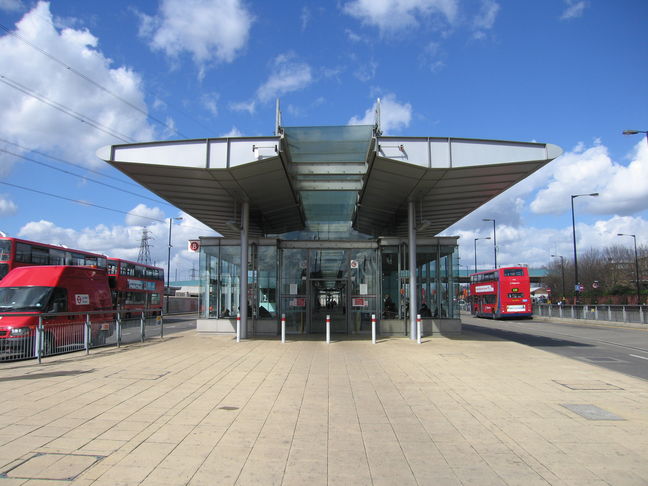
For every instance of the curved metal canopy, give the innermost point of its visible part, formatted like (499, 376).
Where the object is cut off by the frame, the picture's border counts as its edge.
(338, 178)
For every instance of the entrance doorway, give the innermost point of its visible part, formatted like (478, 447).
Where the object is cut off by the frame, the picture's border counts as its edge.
(329, 298)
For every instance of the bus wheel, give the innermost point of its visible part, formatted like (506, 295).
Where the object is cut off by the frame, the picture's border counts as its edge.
(48, 345)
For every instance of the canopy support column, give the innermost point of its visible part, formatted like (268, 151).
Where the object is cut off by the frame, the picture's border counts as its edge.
(411, 221)
(243, 294)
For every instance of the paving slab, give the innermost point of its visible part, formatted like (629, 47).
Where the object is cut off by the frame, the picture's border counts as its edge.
(204, 410)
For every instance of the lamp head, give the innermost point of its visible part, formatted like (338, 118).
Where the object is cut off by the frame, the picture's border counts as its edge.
(630, 132)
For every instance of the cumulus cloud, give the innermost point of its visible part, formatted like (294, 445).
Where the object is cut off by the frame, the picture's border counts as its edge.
(234, 132)
(391, 16)
(209, 30)
(142, 215)
(622, 188)
(288, 74)
(394, 115)
(7, 206)
(574, 9)
(124, 241)
(35, 124)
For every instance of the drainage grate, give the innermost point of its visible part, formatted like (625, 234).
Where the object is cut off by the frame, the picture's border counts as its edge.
(591, 412)
(589, 385)
(51, 466)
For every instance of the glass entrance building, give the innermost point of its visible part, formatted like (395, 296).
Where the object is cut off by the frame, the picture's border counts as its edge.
(339, 222)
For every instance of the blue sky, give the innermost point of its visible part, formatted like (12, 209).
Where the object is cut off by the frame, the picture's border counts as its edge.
(76, 76)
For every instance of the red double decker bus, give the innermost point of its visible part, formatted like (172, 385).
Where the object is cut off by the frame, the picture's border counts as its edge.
(136, 286)
(504, 292)
(15, 252)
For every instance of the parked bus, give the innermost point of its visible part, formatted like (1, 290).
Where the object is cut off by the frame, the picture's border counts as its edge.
(15, 252)
(62, 296)
(136, 286)
(504, 292)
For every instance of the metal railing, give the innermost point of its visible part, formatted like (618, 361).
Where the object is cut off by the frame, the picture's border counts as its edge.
(637, 314)
(35, 336)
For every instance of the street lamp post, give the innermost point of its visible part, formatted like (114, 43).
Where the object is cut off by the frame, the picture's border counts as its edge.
(494, 241)
(634, 237)
(486, 238)
(576, 282)
(562, 269)
(169, 263)
(635, 132)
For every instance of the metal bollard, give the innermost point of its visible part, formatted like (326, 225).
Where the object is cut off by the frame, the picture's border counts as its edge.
(118, 330)
(38, 339)
(86, 333)
(142, 322)
(328, 329)
(283, 328)
(373, 328)
(238, 328)
(419, 324)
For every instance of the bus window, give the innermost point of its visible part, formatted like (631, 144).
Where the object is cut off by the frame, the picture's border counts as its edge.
(56, 257)
(516, 295)
(5, 250)
(23, 253)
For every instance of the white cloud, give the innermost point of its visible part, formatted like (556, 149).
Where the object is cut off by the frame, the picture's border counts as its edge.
(11, 5)
(210, 102)
(209, 30)
(623, 189)
(287, 75)
(394, 116)
(234, 132)
(575, 8)
(305, 17)
(249, 106)
(485, 19)
(28, 122)
(142, 215)
(391, 16)
(124, 241)
(7, 206)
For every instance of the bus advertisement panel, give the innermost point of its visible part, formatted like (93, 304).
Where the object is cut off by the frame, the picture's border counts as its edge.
(15, 252)
(136, 286)
(504, 292)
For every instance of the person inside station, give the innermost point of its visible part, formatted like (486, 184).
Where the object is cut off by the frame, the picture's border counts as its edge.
(425, 311)
(389, 308)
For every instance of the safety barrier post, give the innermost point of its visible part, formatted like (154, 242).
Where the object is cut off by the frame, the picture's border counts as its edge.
(328, 329)
(560, 311)
(596, 313)
(161, 326)
(418, 328)
(86, 333)
(572, 311)
(373, 328)
(625, 317)
(142, 318)
(39, 339)
(283, 328)
(238, 327)
(118, 330)
(641, 315)
(609, 312)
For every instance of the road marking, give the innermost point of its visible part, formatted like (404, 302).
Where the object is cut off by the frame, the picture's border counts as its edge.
(640, 357)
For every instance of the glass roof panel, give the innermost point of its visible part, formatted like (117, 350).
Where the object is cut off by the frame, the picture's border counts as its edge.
(329, 144)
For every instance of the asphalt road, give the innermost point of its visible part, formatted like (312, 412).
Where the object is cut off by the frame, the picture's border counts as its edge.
(620, 349)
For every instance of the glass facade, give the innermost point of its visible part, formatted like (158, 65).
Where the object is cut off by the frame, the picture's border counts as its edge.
(348, 281)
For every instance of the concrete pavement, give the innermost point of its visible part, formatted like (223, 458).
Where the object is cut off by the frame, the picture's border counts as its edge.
(204, 410)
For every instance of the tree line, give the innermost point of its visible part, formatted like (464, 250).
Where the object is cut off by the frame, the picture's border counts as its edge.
(608, 276)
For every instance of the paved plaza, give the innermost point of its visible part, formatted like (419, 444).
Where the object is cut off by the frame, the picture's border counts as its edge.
(204, 410)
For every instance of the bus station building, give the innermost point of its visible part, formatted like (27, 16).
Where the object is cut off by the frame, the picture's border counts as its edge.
(337, 221)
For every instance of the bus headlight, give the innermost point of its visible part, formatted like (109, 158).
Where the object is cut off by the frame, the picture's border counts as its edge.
(19, 331)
